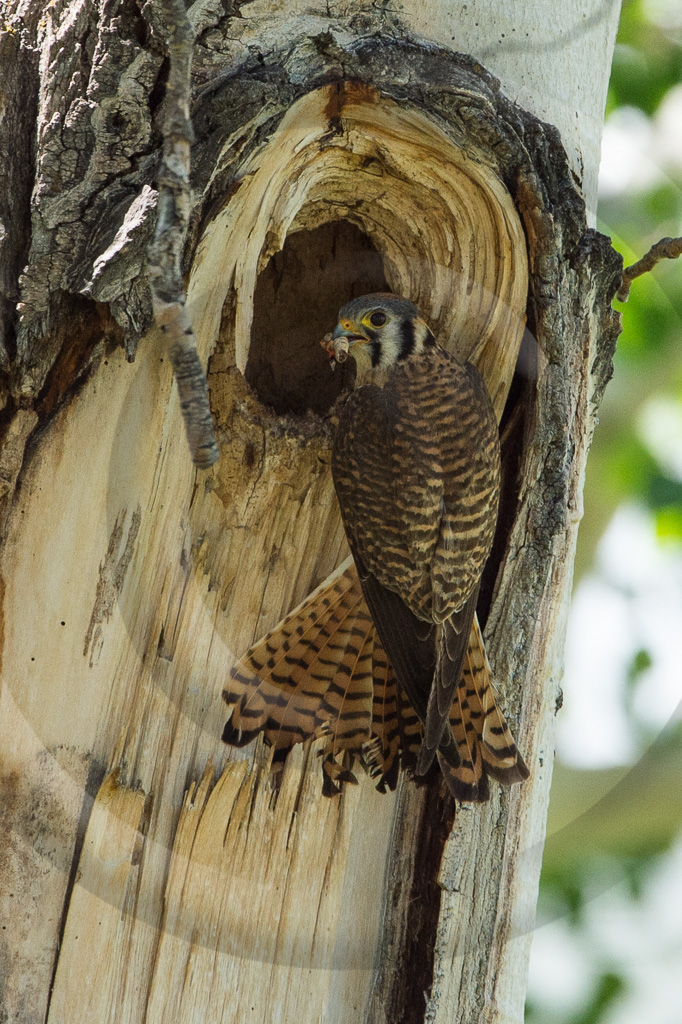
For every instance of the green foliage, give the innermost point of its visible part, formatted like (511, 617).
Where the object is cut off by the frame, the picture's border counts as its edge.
(603, 821)
(614, 826)
(648, 363)
(640, 663)
(609, 988)
(669, 521)
(606, 993)
(647, 61)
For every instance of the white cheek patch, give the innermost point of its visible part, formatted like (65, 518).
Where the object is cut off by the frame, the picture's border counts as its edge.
(390, 346)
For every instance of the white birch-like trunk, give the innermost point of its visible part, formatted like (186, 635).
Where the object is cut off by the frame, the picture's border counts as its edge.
(146, 873)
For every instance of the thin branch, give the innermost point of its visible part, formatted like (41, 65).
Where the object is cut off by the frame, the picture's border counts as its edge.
(666, 249)
(164, 257)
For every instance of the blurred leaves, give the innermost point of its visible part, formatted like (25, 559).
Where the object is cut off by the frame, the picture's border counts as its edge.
(599, 816)
(669, 522)
(648, 362)
(638, 667)
(609, 988)
(647, 60)
(612, 826)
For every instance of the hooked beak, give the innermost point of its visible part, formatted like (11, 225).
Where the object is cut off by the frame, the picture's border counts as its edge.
(349, 332)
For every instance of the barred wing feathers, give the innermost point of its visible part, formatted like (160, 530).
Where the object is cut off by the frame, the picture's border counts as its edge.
(313, 676)
(323, 673)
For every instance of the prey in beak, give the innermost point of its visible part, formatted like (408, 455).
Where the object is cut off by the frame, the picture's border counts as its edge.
(336, 348)
(338, 343)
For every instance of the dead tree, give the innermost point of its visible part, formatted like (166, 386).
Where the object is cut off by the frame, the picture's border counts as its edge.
(147, 874)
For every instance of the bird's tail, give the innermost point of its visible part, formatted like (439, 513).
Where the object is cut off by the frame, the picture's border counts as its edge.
(484, 740)
(323, 672)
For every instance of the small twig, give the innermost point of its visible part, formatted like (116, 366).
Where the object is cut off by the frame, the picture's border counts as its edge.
(164, 257)
(666, 249)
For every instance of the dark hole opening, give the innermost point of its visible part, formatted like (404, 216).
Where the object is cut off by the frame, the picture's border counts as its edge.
(298, 296)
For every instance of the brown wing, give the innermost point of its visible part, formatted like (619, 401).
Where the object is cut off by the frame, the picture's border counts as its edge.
(323, 672)
(416, 471)
(499, 752)
(382, 753)
(453, 639)
(347, 707)
(280, 685)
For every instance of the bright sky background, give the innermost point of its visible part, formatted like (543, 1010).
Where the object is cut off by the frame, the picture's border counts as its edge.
(643, 939)
(632, 602)
(635, 149)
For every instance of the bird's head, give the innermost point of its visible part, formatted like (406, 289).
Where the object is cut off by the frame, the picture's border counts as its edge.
(380, 331)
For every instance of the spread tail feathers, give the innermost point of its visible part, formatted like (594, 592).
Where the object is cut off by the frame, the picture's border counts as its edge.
(323, 672)
(313, 676)
(484, 740)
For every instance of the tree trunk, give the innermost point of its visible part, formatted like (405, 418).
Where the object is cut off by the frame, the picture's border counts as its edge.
(147, 873)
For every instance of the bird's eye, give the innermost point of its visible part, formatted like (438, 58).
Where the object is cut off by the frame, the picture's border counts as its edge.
(377, 319)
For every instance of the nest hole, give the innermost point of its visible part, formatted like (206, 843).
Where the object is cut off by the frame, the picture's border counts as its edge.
(298, 295)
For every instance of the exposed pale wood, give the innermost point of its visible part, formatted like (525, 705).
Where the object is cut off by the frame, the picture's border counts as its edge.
(161, 577)
(83, 989)
(543, 56)
(215, 959)
(445, 225)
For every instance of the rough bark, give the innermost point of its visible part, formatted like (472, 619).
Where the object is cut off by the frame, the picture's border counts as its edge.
(137, 886)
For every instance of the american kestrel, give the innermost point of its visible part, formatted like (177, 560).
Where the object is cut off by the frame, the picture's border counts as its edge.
(386, 659)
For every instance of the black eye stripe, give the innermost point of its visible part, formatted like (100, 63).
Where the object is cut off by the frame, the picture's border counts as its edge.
(374, 347)
(377, 319)
(407, 339)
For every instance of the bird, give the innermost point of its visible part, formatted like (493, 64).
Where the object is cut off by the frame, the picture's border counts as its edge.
(386, 659)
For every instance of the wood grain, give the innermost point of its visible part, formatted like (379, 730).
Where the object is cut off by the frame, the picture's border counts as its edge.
(130, 583)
